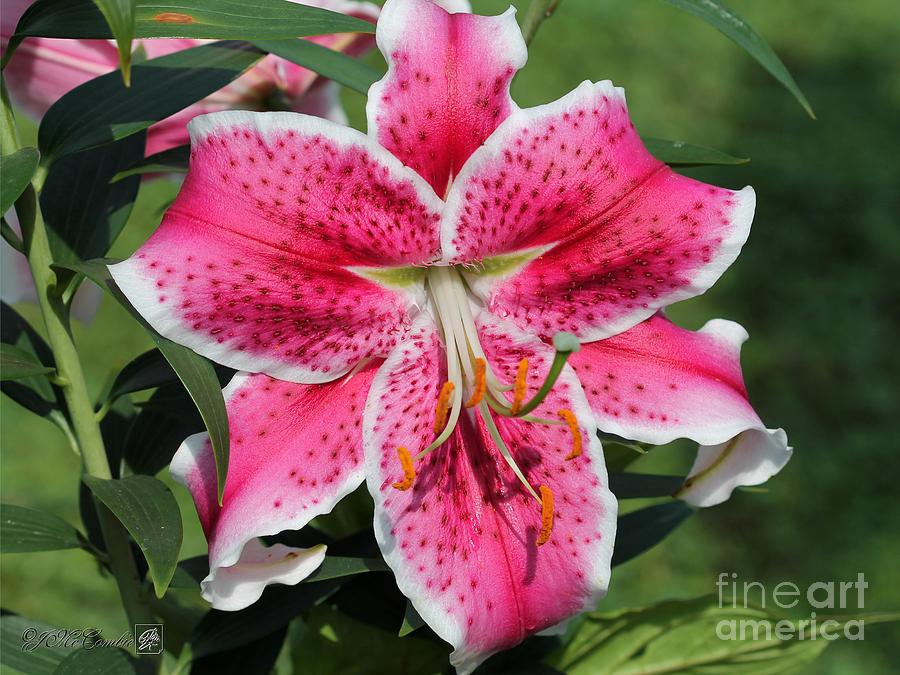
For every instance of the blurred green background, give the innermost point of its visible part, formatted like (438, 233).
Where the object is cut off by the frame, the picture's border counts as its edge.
(817, 288)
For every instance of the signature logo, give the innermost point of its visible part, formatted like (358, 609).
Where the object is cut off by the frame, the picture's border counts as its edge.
(64, 638)
(148, 638)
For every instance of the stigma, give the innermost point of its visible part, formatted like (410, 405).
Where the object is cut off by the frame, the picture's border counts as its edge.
(471, 378)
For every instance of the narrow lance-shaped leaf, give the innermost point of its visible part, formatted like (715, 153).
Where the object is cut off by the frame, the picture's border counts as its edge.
(24, 530)
(643, 485)
(97, 661)
(16, 364)
(702, 635)
(119, 15)
(36, 393)
(16, 170)
(104, 110)
(728, 22)
(209, 19)
(148, 510)
(196, 373)
(643, 529)
(173, 160)
(84, 214)
(221, 631)
(679, 153)
(40, 659)
(334, 567)
(329, 63)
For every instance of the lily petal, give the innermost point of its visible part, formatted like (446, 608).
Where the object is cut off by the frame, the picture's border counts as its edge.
(447, 85)
(750, 458)
(296, 450)
(614, 233)
(251, 264)
(657, 382)
(462, 541)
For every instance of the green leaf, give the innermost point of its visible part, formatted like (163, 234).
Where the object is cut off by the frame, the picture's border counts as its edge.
(728, 22)
(35, 394)
(196, 373)
(642, 485)
(222, 631)
(39, 659)
(16, 363)
(255, 658)
(334, 567)
(331, 642)
(16, 171)
(683, 636)
(210, 19)
(148, 510)
(199, 377)
(97, 661)
(679, 153)
(173, 160)
(103, 109)
(640, 530)
(83, 212)
(334, 65)
(147, 371)
(119, 15)
(160, 428)
(23, 530)
(619, 455)
(411, 621)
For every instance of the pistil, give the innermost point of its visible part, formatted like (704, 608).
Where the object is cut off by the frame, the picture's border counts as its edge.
(468, 365)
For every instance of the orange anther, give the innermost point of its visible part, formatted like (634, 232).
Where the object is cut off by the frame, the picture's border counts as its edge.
(546, 515)
(443, 407)
(520, 387)
(409, 473)
(569, 418)
(480, 383)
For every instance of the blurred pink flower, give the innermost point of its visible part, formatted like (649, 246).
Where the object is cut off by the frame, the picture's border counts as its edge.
(44, 69)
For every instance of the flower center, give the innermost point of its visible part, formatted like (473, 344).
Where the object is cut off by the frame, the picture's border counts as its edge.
(470, 378)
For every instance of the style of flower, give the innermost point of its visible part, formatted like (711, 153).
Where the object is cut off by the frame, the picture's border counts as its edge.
(44, 69)
(448, 307)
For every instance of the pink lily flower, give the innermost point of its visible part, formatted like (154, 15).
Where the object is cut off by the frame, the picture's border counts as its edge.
(44, 69)
(402, 305)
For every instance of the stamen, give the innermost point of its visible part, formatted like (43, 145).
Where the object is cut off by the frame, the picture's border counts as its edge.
(569, 418)
(409, 473)
(546, 515)
(520, 388)
(480, 383)
(565, 344)
(443, 407)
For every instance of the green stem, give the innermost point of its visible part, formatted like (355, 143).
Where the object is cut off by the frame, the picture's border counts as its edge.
(81, 411)
(537, 11)
(85, 427)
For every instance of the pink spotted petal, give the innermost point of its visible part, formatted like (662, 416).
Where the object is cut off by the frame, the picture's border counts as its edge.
(251, 266)
(462, 540)
(296, 450)
(657, 382)
(447, 85)
(613, 234)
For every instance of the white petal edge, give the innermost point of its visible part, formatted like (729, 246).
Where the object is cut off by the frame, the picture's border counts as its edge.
(141, 293)
(741, 213)
(231, 585)
(236, 587)
(731, 335)
(751, 458)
